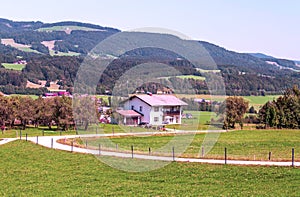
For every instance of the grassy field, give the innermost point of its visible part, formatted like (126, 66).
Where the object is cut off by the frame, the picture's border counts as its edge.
(64, 28)
(58, 53)
(23, 95)
(30, 170)
(256, 101)
(244, 145)
(208, 71)
(18, 67)
(186, 77)
(200, 121)
(32, 132)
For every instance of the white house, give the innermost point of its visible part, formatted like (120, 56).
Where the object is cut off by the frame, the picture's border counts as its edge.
(153, 109)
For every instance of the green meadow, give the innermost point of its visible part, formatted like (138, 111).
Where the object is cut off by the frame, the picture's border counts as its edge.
(242, 145)
(27, 169)
(64, 28)
(17, 67)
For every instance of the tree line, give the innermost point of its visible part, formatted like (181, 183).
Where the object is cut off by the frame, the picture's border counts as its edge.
(284, 112)
(22, 111)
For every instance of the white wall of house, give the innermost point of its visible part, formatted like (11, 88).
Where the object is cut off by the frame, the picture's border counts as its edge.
(141, 107)
(156, 115)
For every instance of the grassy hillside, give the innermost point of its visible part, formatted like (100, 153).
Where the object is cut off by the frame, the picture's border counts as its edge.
(66, 28)
(18, 67)
(30, 170)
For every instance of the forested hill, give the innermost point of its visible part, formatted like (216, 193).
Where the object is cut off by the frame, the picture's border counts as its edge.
(53, 52)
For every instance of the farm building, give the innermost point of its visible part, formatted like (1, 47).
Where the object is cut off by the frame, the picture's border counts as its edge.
(152, 109)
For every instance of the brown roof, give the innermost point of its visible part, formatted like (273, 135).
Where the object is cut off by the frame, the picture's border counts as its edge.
(160, 99)
(129, 113)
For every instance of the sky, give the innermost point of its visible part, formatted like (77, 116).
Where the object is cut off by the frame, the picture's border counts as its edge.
(265, 26)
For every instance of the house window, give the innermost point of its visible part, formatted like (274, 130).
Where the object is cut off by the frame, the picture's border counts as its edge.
(156, 109)
(156, 119)
(132, 107)
(141, 108)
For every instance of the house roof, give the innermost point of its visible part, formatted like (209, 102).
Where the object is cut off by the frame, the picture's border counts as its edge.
(160, 99)
(129, 113)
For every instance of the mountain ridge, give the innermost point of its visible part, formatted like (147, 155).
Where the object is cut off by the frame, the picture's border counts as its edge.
(244, 73)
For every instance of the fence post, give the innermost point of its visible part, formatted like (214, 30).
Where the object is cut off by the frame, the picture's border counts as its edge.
(37, 139)
(26, 137)
(225, 152)
(99, 149)
(60, 133)
(51, 142)
(131, 151)
(173, 153)
(72, 146)
(149, 151)
(270, 154)
(293, 157)
(20, 134)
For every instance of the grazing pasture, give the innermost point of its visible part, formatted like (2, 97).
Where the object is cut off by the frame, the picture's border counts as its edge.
(31, 170)
(17, 67)
(241, 145)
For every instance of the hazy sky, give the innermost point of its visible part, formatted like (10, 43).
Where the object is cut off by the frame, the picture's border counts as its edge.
(267, 26)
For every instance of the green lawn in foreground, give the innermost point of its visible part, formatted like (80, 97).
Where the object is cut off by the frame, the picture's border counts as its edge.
(18, 67)
(32, 132)
(245, 145)
(27, 169)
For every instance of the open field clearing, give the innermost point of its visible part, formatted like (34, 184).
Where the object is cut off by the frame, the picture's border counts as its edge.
(30, 170)
(208, 71)
(58, 53)
(23, 95)
(186, 77)
(22, 47)
(17, 67)
(256, 101)
(67, 29)
(241, 145)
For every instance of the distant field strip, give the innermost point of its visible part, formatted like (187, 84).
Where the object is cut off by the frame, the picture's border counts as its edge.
(186, 77)
(18, 67)
(207, 71)
(22, 47)
(67, 29)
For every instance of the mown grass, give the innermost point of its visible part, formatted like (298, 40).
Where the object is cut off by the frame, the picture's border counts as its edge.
(244, 145)
(17, 67)
(32, 132)
(30, 170)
